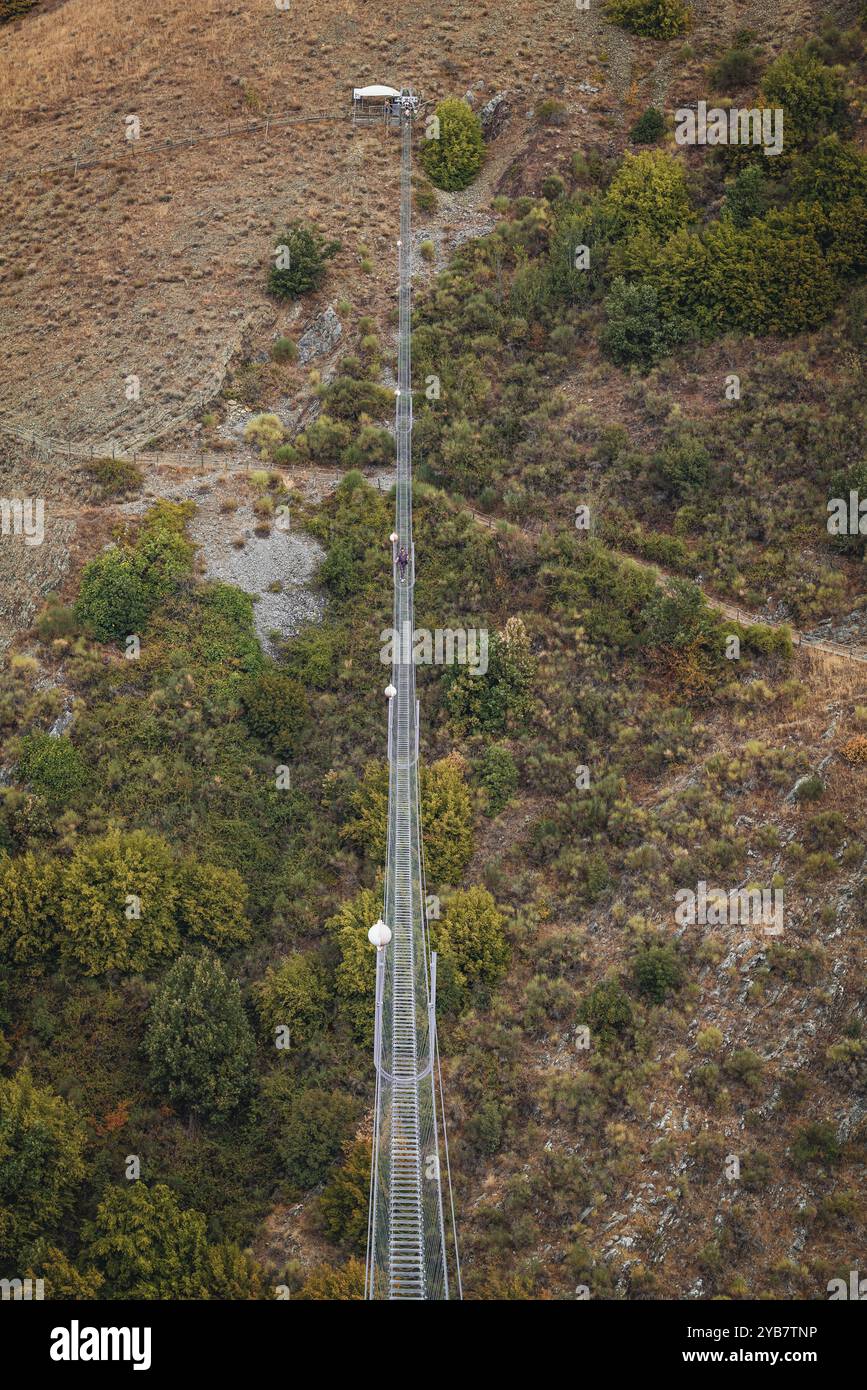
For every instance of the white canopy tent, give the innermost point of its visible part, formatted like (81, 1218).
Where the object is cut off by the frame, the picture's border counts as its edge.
(376, 90)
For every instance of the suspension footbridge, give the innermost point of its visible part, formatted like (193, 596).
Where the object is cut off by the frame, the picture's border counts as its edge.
(412, 1245)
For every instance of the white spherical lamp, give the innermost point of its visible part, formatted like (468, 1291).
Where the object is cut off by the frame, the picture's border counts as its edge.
(390, 691)
(379, 935)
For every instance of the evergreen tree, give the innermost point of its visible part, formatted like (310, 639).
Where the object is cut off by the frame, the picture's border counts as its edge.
(453, 159)
(41, 1164)
(118, 902)
(199, 1043)
(146, 1246)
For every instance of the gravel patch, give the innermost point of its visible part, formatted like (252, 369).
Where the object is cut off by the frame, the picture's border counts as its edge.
(288, 557)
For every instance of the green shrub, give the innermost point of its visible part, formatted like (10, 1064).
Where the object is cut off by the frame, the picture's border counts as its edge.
(487, 703)
(498, 775)
(447, 820)
(115, 477)
(146, 1246)
(635, 333)
(470, 938)
(747, 195)
(355, 974)
(314, 1133)
(654, 19)
(348, 398)
(54, 767)
(212, 904)
(41, 1163)
(29, 907)
(284, 350)
(275, 709)
(682, 467)
(816, 1143)
(294, 994)
(345, 1199)
(266, 432)
(121, 586)
(812, 95)
(736, 69)
(112, 597)
(553, 188)
(550, 111)
(648, 128)
(656, 971)
(607, 1012)
(306, 251)
(453, 160)
(648, 193)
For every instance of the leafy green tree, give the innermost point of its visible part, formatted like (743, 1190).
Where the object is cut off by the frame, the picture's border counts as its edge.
(121, 586)
(747, 195)
(648, 193)
(299, 264)
(295, 993)
(54, 767)
(488, 703)
(636, 333)
(146, 1246)
(232, 1275)
(198, 1041)
(328, 1285)
(315, 1132)
(369, 801)
(831, 172)
(446, 814)
(346, 1197)
(112, 597)
(41, 1163)
(453, 160)
(118, 902)
(275, 708)
(212, 904)
(64, 1281)
(471, 938)
(812, 95)
(341, 571)
(651, 19)
(355, 975)
(447, 820)
(30, 910)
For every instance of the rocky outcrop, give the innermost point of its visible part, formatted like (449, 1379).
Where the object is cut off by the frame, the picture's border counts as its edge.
(494, 115)
(321, 337)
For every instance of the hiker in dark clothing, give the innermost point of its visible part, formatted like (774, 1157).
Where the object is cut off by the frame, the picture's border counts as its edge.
(402, 561)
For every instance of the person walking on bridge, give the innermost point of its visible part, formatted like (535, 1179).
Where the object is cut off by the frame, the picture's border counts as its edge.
(402, 562)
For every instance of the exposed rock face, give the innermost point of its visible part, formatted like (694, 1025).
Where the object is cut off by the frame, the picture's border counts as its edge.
(494, 115)
(321, 337)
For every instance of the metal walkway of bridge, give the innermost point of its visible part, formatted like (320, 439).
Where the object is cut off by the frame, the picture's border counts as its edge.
(409, 1255)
